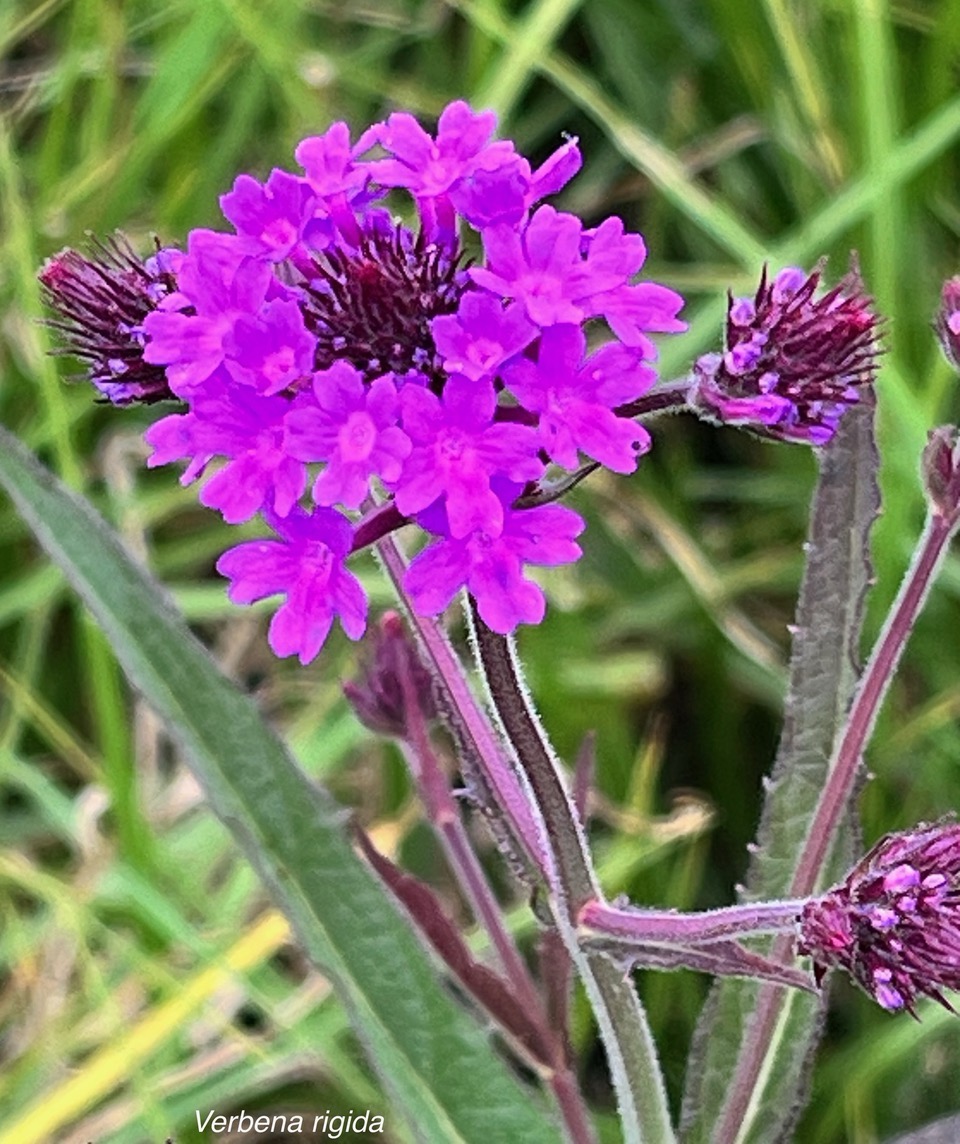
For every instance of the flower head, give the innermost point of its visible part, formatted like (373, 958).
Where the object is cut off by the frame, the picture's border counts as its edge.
(793, 361)
(894, 923)
(101, 300)
(317, 342)
(947, 322)
(379, 697)
(940, 470)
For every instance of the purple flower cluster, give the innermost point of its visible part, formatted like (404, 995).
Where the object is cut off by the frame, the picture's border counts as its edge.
(325, 346)
(793, 361)
(894, 924)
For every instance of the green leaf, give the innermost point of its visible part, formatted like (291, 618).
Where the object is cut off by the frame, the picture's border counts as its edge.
(435, 1062)
(824, 665)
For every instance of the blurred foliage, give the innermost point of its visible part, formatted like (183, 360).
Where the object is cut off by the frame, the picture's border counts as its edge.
(727, 133)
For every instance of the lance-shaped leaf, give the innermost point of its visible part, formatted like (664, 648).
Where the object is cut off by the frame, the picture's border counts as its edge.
(436, 1063)
(824, 665)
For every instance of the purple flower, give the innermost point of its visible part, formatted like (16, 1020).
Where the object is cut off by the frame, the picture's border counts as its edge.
(235, 423)
(430, 169)
(354, 429)
(337, 179)
(894, 923)
(793, 362)
(306, 565)
(505, 193)
(491, 566)
(101, 301)
(272, 349)
(269, 218)
(561, 274)
(481, 336)
(458, 450)
(576, 398)
(217, 284)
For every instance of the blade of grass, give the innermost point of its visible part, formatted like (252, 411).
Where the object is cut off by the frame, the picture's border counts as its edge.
(111, 1067)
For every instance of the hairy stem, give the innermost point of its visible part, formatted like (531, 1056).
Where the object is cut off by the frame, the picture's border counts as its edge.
(469, 724)
(835, 797)
(631, 1053)
(870, 694)
(474, 734)
(683, 929)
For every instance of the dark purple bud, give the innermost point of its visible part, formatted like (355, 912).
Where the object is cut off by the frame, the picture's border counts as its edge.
(373, 306)
(100, 302)
(793, 361)
(894, 924)
(379, 696)
(940, 468)
(947, 322)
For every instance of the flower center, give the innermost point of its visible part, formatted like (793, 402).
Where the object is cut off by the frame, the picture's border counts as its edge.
(373, 306)
(357, 437)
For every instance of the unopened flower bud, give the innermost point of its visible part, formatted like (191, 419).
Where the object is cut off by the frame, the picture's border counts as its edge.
(894, 924)
(100, 302)
(379, 697)
(793, 361)
(947, 322)
(940, 468)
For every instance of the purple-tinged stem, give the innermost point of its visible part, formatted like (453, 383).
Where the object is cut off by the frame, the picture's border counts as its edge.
(469, 723)
(575, 881)
(871, 691)
(671, 397)
(556, 968)
(835, 797)
(631, 1053)
(445, 817)
(671, 927)
(377, 524)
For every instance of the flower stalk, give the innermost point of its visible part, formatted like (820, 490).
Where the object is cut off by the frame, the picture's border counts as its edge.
(631, 1053)
(941, 471)
(444, 815)
(646, 927)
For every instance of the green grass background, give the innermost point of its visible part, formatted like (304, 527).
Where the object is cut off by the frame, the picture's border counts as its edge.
(729, 133)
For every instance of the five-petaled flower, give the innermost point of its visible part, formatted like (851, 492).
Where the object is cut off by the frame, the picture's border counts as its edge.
(894, 923)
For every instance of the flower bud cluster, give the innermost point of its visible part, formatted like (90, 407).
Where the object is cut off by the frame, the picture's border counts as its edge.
(101, 301)
(794, 361)
(894, 923)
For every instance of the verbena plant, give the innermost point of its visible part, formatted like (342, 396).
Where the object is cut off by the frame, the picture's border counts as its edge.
(440, 380)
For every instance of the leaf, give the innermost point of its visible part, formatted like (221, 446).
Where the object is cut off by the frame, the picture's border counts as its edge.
(824, 665)
(486, 987)
(435, 1062)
